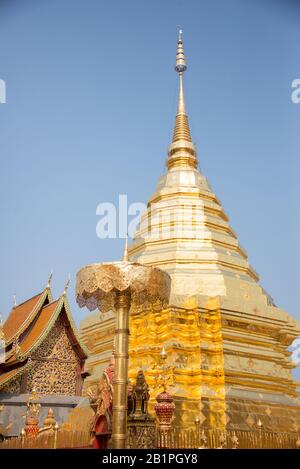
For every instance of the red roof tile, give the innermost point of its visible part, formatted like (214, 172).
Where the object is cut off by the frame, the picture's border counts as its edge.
(39, 328)
(20, 316)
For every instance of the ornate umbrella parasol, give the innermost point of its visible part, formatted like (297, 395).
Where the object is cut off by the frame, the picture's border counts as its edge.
(121, 286)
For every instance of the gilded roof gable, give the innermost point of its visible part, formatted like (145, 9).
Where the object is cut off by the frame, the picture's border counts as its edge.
(39, 317)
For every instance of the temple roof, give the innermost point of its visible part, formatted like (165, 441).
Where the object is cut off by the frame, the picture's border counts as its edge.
(28, 325)
(42, 326)
(45, 322)
(23, 314)
(36, 333)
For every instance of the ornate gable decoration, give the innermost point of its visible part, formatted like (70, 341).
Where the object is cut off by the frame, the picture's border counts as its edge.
(45, 353)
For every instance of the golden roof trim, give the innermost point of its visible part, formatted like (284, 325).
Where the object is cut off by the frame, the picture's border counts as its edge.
(60, 303)
(9, 375)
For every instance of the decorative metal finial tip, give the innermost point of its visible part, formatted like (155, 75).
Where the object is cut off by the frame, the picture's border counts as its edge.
(180, 65)
(15, 300)
(50, 279)
(67, 285)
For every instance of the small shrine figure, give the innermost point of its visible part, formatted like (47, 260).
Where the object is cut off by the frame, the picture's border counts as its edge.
(32, 415)
(140, 425)
(140, 397)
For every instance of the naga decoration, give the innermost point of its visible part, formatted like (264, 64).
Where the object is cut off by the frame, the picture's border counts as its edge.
(101, 400)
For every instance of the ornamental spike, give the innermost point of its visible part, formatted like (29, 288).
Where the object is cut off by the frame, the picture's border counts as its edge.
(15, 300)
(180, 65)
(125, 254)
(182, 151)
(181, 131)
(50, 279)
(67, 285)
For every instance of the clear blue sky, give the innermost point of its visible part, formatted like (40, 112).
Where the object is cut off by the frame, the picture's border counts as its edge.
(91, 101)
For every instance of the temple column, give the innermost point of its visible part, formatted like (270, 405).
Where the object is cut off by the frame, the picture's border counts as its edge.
(119, 421)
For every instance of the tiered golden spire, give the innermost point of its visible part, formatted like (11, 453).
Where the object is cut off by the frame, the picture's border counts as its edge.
(181, 131)
(182, 150)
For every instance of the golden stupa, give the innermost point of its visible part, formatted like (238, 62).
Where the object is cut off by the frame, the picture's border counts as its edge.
(226, 341)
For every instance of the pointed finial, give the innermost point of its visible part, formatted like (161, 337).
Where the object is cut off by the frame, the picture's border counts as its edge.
(182, 152)
(125, 254)
(180, 65)
(15, 300)
(50, 419)
(50, 279)
(67, 285)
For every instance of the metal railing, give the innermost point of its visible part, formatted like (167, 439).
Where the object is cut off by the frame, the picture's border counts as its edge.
(172, 439)
(221, 439)
(57, 440)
